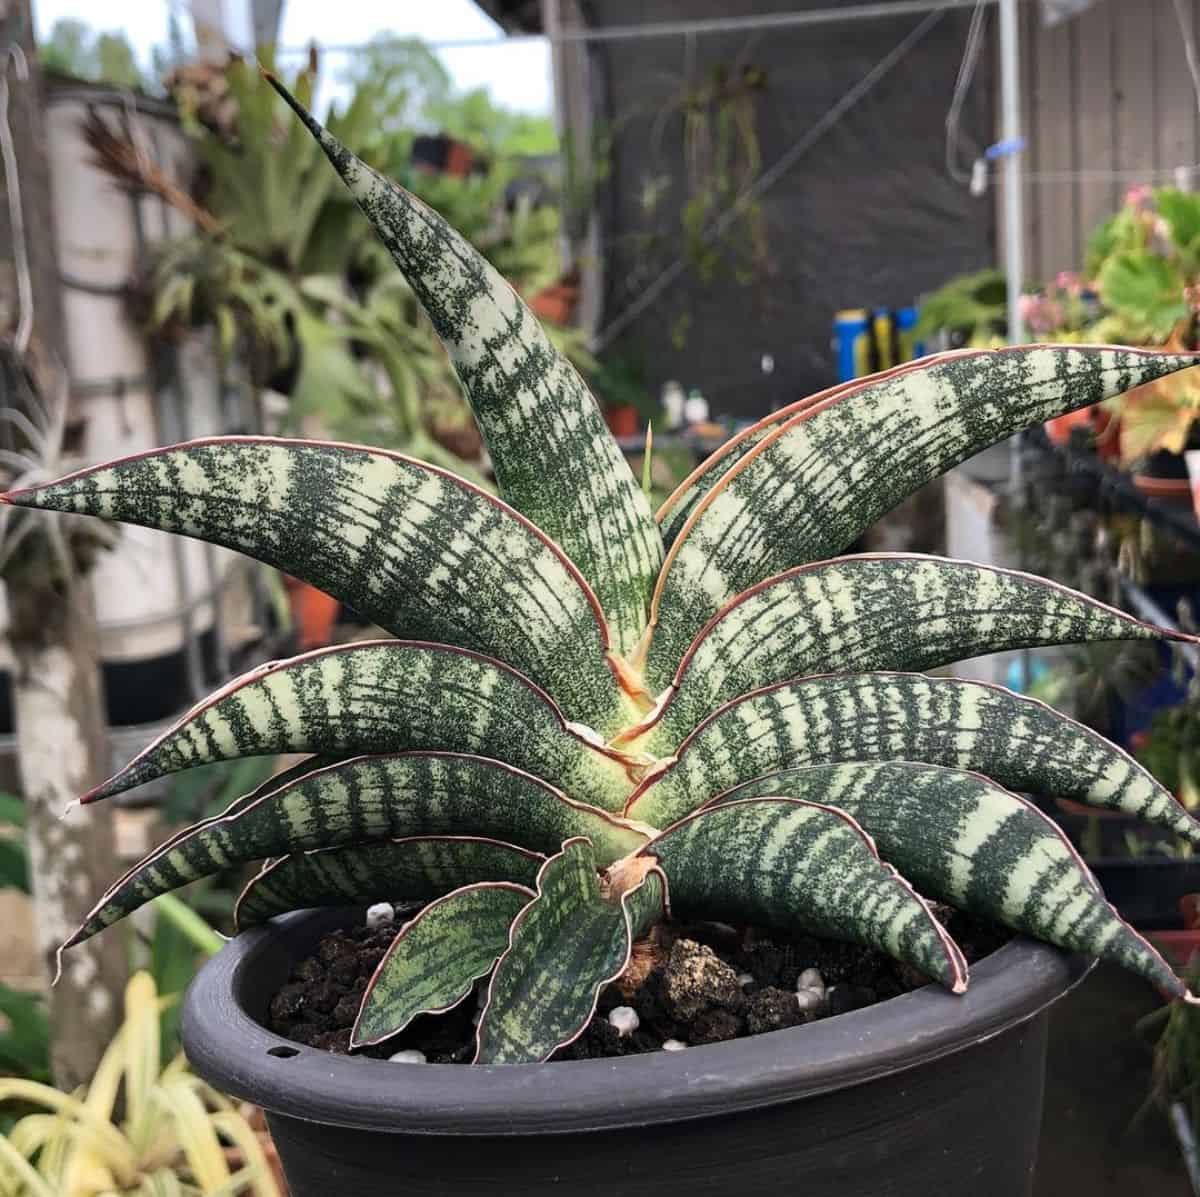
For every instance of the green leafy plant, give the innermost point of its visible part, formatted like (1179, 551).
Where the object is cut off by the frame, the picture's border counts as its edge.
(140, 1127)
(593, 716)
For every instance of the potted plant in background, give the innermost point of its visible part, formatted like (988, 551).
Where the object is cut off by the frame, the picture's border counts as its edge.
(598, 723)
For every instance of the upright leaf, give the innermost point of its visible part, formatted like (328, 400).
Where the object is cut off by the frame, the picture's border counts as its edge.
(554, 457)
(361, 800)
(414, 869)
(871, 612)
(817, 481)
(421, 553)
(1019, 742)
(437, 957)
(384, 696)
(568, 943)
(961, 839)
(801, 866)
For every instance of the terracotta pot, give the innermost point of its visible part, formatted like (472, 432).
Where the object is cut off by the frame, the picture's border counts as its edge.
(555, 303)
(622, 420)
(910, 1097)
(314, 613)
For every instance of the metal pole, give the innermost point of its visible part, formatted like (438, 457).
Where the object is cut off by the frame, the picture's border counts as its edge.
(1010, 134)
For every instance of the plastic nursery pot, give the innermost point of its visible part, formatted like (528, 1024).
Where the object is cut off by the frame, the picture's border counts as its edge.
(926, 1093)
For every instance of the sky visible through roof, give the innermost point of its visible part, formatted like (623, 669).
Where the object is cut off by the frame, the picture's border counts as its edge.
(518, 75)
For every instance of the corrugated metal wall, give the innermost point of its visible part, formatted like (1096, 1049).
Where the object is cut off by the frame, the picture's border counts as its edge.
(1108, 102)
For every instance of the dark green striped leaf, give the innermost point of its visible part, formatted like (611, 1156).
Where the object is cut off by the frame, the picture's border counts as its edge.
(369, 798)
(437, 958)
(1019, 742)
(385, 696)
(876, 611)
(423, 554)
(568, 943)
(819, 479)
(554, 457)
(416, 868)
(960, 838)
(802, 866)
(673, 514)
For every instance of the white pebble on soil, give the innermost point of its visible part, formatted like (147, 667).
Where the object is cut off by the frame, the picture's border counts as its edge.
(745, 979)
(674, 1045)
(809, 1000)
(624, 1020)
(412, 1056)
(380, 915)
(811, 978)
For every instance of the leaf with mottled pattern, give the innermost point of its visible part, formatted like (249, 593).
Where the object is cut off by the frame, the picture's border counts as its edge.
(1019, 742)
(384, 696)
(369, 798)
(415, 868)
(817, 481)
(568, 943)
(421, 553)
(963, 840)
(437, 957)
(678, 505)
(554, 458)
(876, 611)
(801, 866)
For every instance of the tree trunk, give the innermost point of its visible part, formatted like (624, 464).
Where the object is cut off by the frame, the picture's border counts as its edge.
(62, 749)
(61, 736)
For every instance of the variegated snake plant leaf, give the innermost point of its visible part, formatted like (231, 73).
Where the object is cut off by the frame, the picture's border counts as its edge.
(575, 735)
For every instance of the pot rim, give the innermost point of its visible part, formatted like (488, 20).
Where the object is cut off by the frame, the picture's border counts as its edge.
(233, 1052)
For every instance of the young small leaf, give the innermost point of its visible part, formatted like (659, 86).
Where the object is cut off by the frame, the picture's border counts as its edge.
(873, 612)
(803, 866)
(563, 948)
(416, 868)
(421, 553)
(961, 839)
(817, 481)
(555, 460)
(437, 957)
(1019, 742)
(384, 696)
(368, 798)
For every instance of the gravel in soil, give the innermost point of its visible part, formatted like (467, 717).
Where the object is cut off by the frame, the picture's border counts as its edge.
(695, 983)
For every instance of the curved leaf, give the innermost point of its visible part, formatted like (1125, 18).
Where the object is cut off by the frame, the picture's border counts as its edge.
(961, 839)
(673, 513)
(804, 866)
(555, 460)
(368, 798)
(416, 550)
(876, 611)
(1019, 742)
(384, 696)
(416, 868)
(568, 943)
(822, 477)
(437, 957)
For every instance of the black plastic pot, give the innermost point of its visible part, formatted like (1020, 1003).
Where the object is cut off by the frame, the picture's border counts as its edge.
(924, 1094)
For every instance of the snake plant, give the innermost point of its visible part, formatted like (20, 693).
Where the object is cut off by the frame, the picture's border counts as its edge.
(592, 717)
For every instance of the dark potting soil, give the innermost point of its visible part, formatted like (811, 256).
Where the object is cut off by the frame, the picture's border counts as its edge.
(694, 983)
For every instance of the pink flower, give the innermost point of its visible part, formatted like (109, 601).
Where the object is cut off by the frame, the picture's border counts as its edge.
(1139, 196)
(1040, 314)
(1069, 281)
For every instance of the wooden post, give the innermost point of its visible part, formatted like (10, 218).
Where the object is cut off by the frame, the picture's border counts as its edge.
(62, 740)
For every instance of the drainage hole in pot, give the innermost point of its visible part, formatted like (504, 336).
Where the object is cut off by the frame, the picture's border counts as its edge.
(284, 1053)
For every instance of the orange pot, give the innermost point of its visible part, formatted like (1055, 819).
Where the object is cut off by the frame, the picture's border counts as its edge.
(622, 420)
(313, 611)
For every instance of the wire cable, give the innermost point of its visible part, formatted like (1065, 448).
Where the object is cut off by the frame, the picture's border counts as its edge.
(962, 85)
